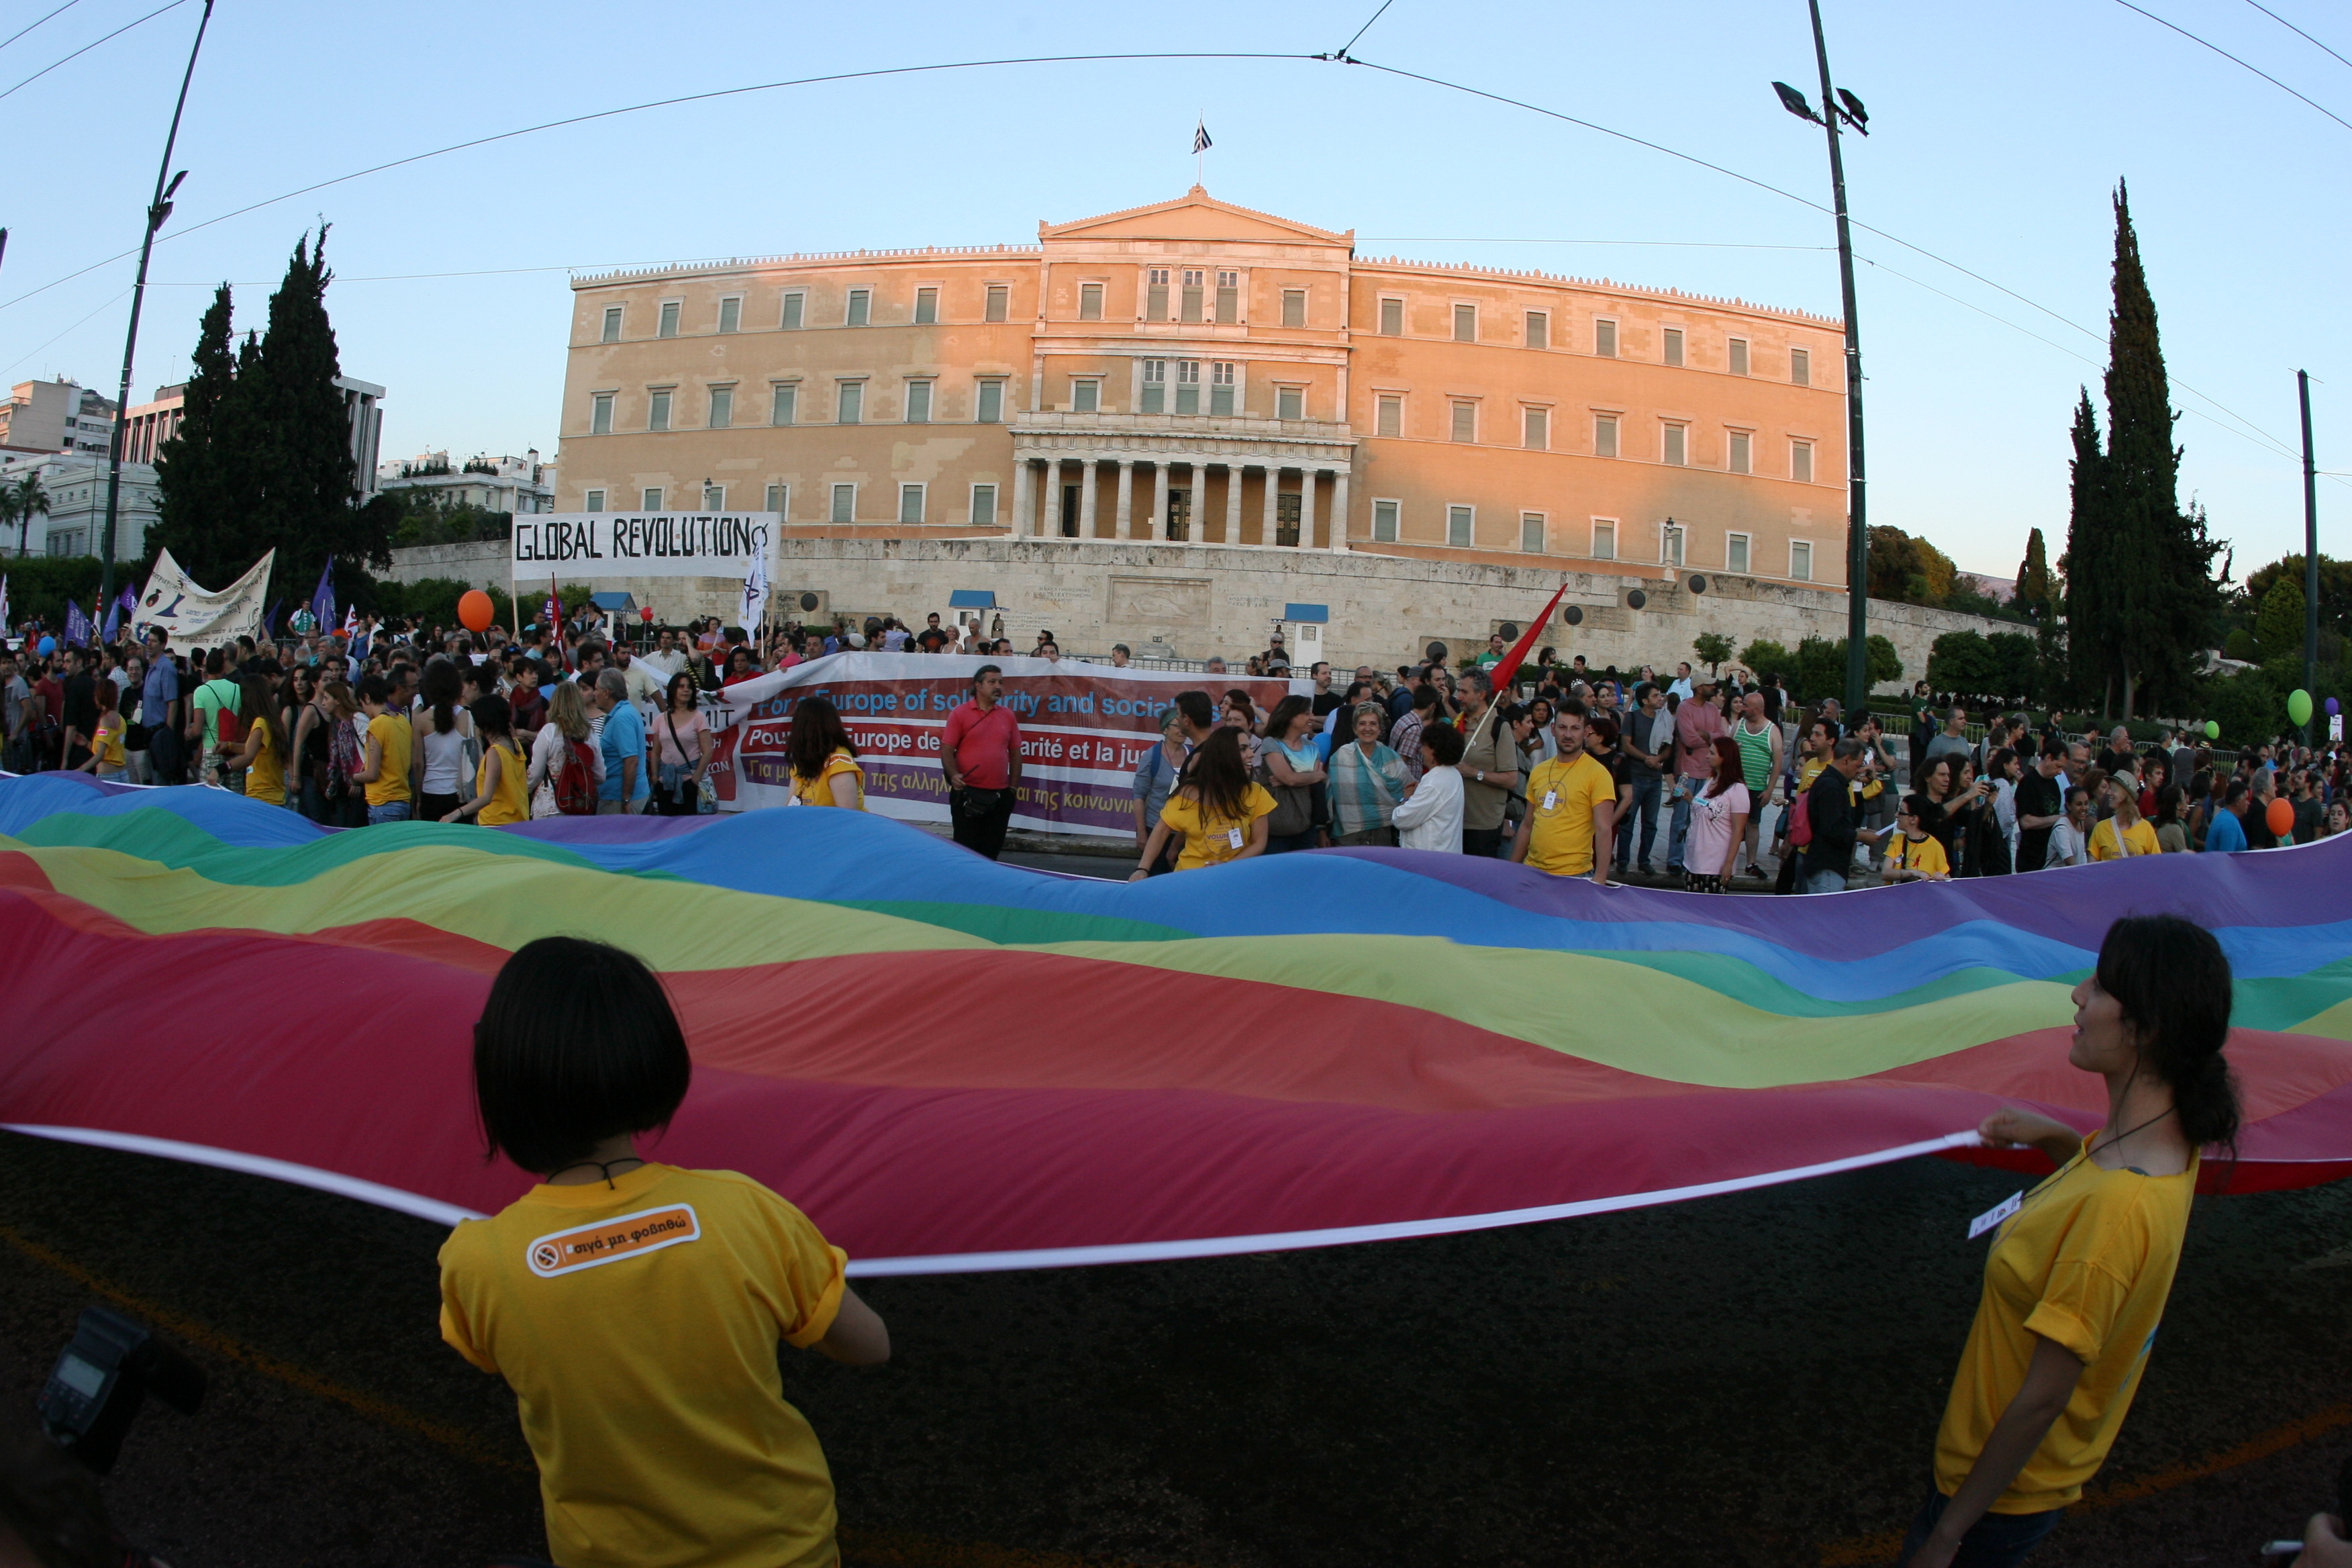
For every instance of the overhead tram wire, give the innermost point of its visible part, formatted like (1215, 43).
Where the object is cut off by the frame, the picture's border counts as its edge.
(171, 5)
(1077, 59)
(656, 103)
(1365, 27)
(2291, 28)
(20, 32)
(1775, 190)
(2235, 61)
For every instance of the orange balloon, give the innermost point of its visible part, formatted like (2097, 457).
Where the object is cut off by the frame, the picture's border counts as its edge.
(2281, 817)
(475, 610)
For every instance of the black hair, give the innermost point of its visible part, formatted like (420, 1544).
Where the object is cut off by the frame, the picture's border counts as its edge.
(817, 734)
(1576, 706)
(493, 715)
(1198, 710)
(1218, 772)
(1427, 696)
(376, 688)
(1445, 744)
(2172, 981)
(440, 690)
(1278, 721)
(2234, 794)
(576, 1043)
(985, 670)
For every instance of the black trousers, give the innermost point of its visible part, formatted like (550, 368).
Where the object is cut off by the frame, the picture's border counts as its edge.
(982, 832)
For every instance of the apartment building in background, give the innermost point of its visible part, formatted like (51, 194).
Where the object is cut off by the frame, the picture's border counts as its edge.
(1194, 372)
(518, 485)
(57, 415)
(151, 424)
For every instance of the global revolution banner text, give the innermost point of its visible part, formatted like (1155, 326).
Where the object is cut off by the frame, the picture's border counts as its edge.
(1084, 727)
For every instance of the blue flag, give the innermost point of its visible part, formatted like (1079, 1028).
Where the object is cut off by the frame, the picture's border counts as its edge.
(78, 627)
(322, 599)
(113, 621)
(269, 621)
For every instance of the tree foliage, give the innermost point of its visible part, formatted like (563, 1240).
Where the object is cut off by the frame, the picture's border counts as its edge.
(2142, 600)
(262, 459)
(2278, 628)
(1817, 670)
(2037, 590)
(2005, 666)
(1766, 658)
(1907, 571)
(1714, 648)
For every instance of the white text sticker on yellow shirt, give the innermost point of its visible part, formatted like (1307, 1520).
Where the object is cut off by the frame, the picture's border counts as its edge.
(1995, 1215)
(610, 1240)
(1552, 800)
(1234, 836)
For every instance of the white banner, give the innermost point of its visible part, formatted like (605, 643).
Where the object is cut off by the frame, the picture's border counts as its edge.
(1084, 727)
(198, 618)
(584, 546)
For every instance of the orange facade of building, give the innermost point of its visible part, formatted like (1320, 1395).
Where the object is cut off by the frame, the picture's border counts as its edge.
(1197, 371)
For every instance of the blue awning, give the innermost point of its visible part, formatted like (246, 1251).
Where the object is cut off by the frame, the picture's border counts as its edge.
(972, 599)
(1318, 613)
(613, 601)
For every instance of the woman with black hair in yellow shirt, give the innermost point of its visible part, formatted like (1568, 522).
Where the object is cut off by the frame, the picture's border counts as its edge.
(2076, 1285)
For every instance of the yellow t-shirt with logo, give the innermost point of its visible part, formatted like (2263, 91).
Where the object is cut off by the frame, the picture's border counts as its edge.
(108, 741)
(2087, 1262)
(1208, 838)
(510, 805)
(1561, 794)
(638, 1325)
(818, 791)
(265, 778)
(391, 783)
(2139, 839)
(1923, 855)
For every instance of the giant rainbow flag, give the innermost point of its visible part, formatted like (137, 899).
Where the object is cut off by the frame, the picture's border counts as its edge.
(956, 1065)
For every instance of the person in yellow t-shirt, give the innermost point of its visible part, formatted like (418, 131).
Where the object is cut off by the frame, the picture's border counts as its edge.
(635, 1308)
(1912, 856)
(390, 744)
(499, 799)
(1217, 808)
(2126, 833)
(2076, 1282)
(107, 760)
(262, 759)
(1571, 804)
(824, 763)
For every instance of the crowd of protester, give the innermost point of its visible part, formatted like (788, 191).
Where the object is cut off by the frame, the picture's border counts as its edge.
(1713, 782)
(1431, 758)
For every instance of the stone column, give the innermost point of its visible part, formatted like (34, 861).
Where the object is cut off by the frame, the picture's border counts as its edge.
(1023, 514)
(1340, 510)
(1125, 525)
(1198, 533)
(1307, 509)
(1233, 503)
(1158, 527)
(1272, 484)
(1087, 497)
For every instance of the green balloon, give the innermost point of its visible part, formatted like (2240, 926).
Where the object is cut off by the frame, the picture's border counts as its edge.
(2212, 730)
(2298, 707)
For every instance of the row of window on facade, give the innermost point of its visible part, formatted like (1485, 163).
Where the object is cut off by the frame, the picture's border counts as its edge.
(1535, 424)
(1192, 297)
(1536, 529)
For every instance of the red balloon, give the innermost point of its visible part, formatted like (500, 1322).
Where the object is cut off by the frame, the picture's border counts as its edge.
(2281, 817)
(475, 611)
(644, 612)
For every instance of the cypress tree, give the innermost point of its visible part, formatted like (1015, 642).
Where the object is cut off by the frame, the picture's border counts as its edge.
(2088, 647)
(2034, 593)
(188, 466)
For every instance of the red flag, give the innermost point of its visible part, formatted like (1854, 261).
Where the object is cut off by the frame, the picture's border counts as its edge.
(1518, 656)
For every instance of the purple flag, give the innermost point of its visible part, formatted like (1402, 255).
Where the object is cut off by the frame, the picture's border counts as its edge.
(78, 627)
(322, 599)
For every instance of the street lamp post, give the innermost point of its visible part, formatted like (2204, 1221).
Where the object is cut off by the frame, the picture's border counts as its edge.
(158, 211)
(1835, 106)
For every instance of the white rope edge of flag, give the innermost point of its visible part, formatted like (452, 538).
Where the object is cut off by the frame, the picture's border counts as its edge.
(441, 1213)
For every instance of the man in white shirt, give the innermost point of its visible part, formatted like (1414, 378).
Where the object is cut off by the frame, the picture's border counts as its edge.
(1680, 687)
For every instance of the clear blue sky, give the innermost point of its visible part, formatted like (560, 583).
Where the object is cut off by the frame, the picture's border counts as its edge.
(1997, 131)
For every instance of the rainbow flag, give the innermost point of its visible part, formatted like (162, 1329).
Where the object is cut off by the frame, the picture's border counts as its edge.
(957, 1065)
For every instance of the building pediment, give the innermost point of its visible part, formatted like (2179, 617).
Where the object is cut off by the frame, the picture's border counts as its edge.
(1194, 216)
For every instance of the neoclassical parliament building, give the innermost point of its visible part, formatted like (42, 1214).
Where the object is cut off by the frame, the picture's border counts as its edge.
(1197, 372)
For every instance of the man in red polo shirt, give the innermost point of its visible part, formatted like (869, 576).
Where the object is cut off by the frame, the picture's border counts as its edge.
(980, 751)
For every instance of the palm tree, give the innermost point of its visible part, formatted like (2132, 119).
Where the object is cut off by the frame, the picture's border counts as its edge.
(31, 498)
(8, 513)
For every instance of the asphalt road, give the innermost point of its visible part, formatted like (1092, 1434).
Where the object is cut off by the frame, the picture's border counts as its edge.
(1751, 1379)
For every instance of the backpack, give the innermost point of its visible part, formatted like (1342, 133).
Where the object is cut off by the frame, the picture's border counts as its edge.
(1801, 820)
(229, 726)
(575, 788)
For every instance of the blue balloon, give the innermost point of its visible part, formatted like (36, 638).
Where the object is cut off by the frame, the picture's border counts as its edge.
(49, 647)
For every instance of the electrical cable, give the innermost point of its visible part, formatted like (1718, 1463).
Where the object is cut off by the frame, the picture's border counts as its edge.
(1661, 243)
(34, 354)
(1367, 28)
(2233, 59)
(20, 32)
(171, 5)
(2291, 28)
(640, 108)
